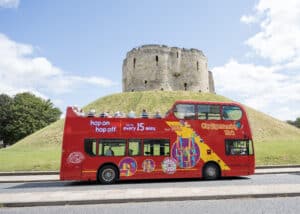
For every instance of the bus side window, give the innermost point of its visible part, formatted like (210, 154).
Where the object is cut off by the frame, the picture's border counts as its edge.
(166, 148)
(238, 147)
(134, 147)
(156, 147)
(148, 149)
(209, 112)
(185, 111)
(113, 147)
(90, 146)
(231, 113)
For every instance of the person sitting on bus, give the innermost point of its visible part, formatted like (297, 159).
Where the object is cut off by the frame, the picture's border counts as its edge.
(157, 115)
(122, 115)
(117, 114)
(131, 114)
(105, 114)
(92, 113)
(109, 152)
(144, 114)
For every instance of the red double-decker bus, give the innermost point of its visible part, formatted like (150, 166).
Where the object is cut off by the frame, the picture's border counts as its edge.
(194, 140)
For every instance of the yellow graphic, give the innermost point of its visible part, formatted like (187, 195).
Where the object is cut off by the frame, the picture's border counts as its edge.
(184, 130)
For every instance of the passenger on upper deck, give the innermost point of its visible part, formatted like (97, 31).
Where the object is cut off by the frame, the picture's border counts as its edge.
(105, 114)
(157, 115)
(131, 114)
(92, 113)
(144, 114)
(117, 114)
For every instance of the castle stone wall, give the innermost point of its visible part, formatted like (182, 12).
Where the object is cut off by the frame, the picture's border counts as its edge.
(155, 67)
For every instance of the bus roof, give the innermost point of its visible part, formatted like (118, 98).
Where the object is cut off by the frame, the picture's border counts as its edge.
(205, 102)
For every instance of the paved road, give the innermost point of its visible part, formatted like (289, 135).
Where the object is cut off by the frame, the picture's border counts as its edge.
(249, 206)
(292, 178)
(61, 193)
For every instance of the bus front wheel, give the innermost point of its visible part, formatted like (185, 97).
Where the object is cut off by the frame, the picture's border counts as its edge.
(108, 174)
(211, 171)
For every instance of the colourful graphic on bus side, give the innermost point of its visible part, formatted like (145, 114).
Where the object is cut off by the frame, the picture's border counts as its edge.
(127, 166)
(185, 131)
(148, 165)
(186, 152)
(169, 165)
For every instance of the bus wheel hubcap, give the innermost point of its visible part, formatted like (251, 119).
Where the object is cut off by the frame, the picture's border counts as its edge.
(108, 175)
(211, 172)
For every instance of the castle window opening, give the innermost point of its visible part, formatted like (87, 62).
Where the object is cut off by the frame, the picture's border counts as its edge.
(134, 61)
(156, 59)
(177, 54)
(197, 66)
(162, 89)
(132, 90)
(185, 86)
(146, 82)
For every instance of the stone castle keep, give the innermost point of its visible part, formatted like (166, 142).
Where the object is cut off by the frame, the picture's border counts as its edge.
(156, 67)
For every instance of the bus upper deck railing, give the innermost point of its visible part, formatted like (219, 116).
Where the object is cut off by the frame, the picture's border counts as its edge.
(118, 114)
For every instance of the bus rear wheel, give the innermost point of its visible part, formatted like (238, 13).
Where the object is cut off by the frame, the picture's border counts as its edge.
(108, 174)
(211, 171)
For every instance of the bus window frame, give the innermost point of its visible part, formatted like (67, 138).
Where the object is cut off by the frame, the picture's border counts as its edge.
(207, 117)
(90, 141)
(156, 139)
(229, 119)
(175, 111)
(229, 142)
(123, 140)
(141, 148)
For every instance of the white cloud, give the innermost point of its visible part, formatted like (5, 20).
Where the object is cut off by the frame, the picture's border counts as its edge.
(279, 37)
(248, 19)
(273, 89)
(20, 71)
(9, 3)
(261, 87)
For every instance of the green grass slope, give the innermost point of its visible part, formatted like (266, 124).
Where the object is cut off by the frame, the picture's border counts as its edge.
(276, 142)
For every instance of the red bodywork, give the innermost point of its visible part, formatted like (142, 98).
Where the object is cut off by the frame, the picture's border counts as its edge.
(207, 135)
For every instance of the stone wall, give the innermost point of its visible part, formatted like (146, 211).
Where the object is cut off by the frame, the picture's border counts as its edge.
(155, 67)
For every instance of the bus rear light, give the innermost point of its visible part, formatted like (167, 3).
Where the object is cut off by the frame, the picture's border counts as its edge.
(208, 151)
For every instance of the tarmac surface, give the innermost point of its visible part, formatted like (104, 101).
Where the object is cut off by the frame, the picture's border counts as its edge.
(140, 194)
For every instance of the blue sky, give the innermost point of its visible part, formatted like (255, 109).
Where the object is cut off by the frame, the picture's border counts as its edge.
(72, 51)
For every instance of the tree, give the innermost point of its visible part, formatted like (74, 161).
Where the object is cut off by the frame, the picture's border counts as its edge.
(295, 123)
(5, 118)
(24, 114)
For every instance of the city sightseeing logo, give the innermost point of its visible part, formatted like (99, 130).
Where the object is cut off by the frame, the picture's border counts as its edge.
(75, 158)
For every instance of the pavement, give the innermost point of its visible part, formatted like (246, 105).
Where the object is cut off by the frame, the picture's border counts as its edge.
(147, 195)
(27, 178)
(101, 196)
